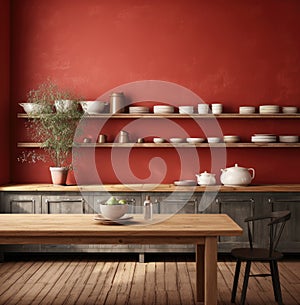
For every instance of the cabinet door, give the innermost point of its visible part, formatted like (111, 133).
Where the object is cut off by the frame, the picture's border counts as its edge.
(67, 204)
(290, 240)
(20, 203)
(238, 206)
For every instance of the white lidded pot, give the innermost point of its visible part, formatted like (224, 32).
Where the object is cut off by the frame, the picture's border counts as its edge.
(237, 176)
(206, 178)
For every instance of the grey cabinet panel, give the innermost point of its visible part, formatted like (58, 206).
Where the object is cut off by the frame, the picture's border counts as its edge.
(290, 240)
(69, 204)
(20, 203)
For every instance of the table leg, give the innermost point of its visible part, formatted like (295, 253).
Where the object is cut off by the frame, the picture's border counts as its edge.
(210, 271)
(200, 273)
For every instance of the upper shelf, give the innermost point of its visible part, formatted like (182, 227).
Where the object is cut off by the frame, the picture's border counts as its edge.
(172, 145)
(185, 116)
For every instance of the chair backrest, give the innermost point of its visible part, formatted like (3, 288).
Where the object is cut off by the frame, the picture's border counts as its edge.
(276, 225)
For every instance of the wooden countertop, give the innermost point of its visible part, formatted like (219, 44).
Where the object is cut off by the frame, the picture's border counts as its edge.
(147, 188)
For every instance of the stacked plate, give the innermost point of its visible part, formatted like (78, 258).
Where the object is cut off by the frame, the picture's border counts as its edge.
(231, 139)
(288, 139)
(267, 109)
(138, 109)
(247, 109)
(163, 109)
(177, 140)
(263, 138)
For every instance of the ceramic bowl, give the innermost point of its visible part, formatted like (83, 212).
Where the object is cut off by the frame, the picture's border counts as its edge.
(158, 140)
(177, 140)
(93, 107)
(214, 140)
(186, 109)
(31, 108)
(194, 140)
(288, 139)
(113, 211)
(64, 105)
(289, 109)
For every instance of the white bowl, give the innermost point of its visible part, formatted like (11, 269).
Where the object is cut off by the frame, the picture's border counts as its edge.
(64, 105)
(31, 108)
(113, 211)
(288, 139)
(194, 140)
(93, 107)
(289, 109)
(177, 140)
(214, 140)
(186, 109)
(158, 140)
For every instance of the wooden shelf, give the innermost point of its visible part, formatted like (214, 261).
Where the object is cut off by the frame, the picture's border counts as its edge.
(171, 145)
(184, 116)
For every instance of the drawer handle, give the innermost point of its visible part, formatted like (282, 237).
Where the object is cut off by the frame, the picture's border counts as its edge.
(271, 200)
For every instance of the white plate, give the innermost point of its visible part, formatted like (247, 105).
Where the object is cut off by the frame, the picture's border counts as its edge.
(103, 220)
(185, 183)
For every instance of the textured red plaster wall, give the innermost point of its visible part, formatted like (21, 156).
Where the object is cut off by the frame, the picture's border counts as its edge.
(233, 52)
(4, 92)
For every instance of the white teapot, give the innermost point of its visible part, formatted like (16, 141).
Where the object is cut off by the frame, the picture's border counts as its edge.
(236, 176)
(206, 178)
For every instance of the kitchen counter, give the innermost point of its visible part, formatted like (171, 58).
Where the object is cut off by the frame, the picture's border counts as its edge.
(147, 188)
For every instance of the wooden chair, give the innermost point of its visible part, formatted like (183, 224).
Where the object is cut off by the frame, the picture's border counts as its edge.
(269, 254)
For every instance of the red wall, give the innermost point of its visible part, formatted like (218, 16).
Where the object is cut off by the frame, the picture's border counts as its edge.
(4, 91)
(233, 52)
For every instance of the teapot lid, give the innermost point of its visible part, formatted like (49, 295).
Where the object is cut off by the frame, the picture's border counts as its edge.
(205, 173)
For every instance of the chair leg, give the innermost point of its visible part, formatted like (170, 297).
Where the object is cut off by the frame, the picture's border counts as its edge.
(275, 278)
(236, 280)
(245, 284)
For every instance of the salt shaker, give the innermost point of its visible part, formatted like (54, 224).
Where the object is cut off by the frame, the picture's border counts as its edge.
(148, 208)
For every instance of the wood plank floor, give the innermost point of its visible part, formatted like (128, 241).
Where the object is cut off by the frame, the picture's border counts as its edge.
(109, 280)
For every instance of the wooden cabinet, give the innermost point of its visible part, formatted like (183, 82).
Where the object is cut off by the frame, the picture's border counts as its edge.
(238, 204)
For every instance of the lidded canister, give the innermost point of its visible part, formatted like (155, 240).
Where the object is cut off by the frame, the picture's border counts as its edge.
(117, 102)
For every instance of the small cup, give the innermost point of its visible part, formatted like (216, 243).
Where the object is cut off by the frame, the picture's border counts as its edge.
(102, 138)
(216, 108)
(87, 140)
(203, 108)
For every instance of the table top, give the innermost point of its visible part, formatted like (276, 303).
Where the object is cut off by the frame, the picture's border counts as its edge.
(75, 225)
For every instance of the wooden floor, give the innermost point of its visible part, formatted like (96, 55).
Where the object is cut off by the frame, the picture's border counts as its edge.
(112, 280)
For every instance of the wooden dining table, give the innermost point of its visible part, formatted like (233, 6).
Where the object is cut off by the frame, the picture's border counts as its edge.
(202, 230)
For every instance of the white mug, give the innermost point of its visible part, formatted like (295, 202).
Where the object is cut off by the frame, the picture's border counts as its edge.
(203, 108)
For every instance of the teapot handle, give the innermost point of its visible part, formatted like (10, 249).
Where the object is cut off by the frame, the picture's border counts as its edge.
(253, 172)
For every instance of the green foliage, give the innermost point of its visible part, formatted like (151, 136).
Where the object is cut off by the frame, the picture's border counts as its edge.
(53, 129)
